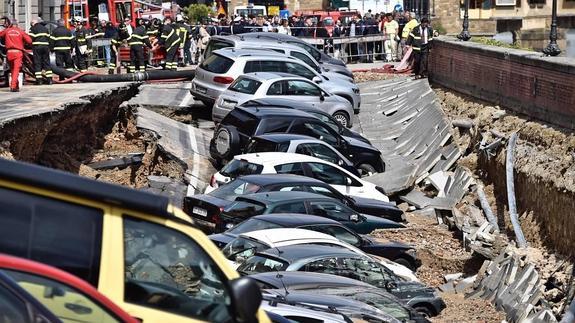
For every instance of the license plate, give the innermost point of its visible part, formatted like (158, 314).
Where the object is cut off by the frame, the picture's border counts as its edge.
(200, 211)
(202, 90)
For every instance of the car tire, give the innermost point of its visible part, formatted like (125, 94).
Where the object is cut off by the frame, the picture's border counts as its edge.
(227, 141)
(366, 170)
(424, 310)
(342, 118)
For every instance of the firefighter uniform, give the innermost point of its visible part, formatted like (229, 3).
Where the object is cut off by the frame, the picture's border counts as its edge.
(137, 40)
(171, 42)
(115, 44)
(62, 40)
(41, 51)
(14, 39)
(82, 47)
(420, 39)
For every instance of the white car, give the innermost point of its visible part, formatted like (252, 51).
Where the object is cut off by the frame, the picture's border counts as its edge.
(247, 244)
(298, 164)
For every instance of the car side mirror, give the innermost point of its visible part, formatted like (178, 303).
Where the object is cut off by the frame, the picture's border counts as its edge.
(316, 79)
(247, 297)
(321, 97)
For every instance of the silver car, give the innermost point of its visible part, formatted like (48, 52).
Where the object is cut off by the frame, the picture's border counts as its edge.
(289, 49)
(224, 66)
(281, 85)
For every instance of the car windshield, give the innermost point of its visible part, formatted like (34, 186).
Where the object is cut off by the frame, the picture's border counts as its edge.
(263, 146)
(245, 85)
(261, 264)
(327, 120)
(313, 52)
(252, 224)
(215, 45)
(381, 302)
(244, 209)
(233, 189)
(217, 64)
(240, 167)
(242, 248)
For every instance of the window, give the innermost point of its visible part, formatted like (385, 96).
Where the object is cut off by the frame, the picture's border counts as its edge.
(252, 224)
(261, 264)
(242, 248)
(316, 130)
(12, 309)
(237, 187)
(326, 266)
(252, 66)
(245, 85)
(332, 210)
(61, 234)
(341, 233)
(302, 88)
(168, 271)
(217, 64)
(319, 151)
(298, 69)
(292, 168)
(327, 174)
(304, 58)
(333, 124)
(325, 191)
(295, 207)
(270, 125)
(240, 167)
(271, 66)
(261, 146)
(308, 48)
(244, 209)
(67, 303)
(278, 88)
(365, 270)
(215, 45)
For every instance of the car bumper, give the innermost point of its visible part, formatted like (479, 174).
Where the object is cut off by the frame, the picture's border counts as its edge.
(205, 92)
(219, 112)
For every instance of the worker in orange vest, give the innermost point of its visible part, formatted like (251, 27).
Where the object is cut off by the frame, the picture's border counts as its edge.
(14, 39)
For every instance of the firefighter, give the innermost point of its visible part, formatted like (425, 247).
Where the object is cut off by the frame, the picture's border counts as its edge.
(137, 40)
(83, 46)
(420, 39)
(14, 39)
(113, 34)
(183, 34)
(171, 42)
(41, 51)
(62, 40)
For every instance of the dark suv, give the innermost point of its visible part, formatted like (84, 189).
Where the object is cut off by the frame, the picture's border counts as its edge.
(235, 131)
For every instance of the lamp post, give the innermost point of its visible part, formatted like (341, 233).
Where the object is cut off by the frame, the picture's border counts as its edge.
(553, 49)
(464, 35)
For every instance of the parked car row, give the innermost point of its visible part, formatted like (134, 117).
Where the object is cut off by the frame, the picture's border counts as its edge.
(288, 205)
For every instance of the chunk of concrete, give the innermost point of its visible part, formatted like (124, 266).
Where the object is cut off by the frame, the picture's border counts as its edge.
(439, 180)
(159, 182)
(451, 277)
(447, 287)
(465, 284)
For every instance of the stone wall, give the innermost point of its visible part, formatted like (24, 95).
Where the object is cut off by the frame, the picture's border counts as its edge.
(526, 82)
(447, 14)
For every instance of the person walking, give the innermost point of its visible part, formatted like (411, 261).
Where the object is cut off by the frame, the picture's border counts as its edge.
(391, 30)
(41, 51)
(420, 40)
(137, 40)
(113, 35)
(14, 39)
(171, 42)
(61, 43)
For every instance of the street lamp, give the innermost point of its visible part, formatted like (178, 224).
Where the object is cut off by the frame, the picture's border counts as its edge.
(464, 35)
(553, 49)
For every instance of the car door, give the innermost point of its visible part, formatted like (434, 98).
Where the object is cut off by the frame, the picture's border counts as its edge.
(321, 151)
(338, 212)
(336, 177)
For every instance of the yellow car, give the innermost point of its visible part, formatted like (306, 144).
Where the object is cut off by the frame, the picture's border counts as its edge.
(135, 247)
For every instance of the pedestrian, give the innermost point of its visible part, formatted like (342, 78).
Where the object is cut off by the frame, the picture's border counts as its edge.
(284, 27)
(420, 39)
(14, 39)
(171, 42)
(337, 33)
(61, 43)
(353, 30)
(203, 39)
(411, 22)
(41, 51)
(137, 40)
(83, 46)
(391, 30)
(188, 44)
(370, 28)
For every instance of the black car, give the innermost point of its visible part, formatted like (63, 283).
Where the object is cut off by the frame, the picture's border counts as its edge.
(346, 263)
(251, 205)
(306, 107)
(206, 208)
(396, 251)
(233, 135)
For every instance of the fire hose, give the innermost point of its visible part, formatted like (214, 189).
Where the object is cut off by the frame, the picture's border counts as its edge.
(129, 77)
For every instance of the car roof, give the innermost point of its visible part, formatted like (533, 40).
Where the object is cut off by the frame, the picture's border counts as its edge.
(233, 53)
(268, 179)
(270, 76)
(295, 219)
(294, 278)
(281, 102)
(272, 36)
(276, 112)
(283, 137)
(75, 185)
(42, 270)
(273, 42)
(273, 197)
(283, 235)
(277, 158)
(294, 253)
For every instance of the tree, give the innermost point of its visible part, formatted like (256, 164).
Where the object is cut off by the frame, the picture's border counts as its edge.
(198, 12)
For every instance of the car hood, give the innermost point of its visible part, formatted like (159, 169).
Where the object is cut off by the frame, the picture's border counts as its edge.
(378, 207)
(331, 74)
(337, 69)
(360, 144)
(221, 239)
(415, 288)
(378, 222)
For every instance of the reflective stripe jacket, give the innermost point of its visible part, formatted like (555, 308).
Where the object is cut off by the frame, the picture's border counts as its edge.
(62, 39)
(15, 38)
(40, 35)
(139, 37)
(169, 38)
(182, 32)
(415, 39)
(83, 38)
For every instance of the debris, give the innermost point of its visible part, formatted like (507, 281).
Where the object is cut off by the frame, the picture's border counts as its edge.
(485, 206)
(121, 162)
(450, 277)
(465, 284)
(497, 114)
(463, 123)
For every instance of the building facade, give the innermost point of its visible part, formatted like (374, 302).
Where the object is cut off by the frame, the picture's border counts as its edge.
(26, 10)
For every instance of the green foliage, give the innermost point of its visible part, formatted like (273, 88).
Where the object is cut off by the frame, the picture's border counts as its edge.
(493, 42)
(437, 26)
(198, 12)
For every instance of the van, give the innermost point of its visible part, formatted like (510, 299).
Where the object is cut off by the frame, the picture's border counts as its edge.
(135, 247)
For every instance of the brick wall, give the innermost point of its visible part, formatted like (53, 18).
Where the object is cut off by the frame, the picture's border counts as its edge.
(526, 82)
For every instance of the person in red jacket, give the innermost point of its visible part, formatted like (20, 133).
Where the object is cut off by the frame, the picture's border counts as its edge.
(14, 39)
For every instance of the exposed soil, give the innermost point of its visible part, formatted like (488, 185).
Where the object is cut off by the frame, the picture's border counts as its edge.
(373, 76)
(460, 309)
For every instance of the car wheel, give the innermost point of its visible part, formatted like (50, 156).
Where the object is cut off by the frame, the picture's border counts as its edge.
(406, 263)
(366, 170)
(342, 118)
(423, 310)
(227, 142)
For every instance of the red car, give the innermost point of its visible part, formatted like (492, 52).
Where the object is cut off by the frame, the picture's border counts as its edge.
(69, 298)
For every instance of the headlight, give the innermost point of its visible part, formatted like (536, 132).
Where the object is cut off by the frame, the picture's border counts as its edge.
(228, 104)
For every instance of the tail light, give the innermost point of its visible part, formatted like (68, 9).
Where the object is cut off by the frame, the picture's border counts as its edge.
(213, 182)
(223, 79)
(216, 217)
